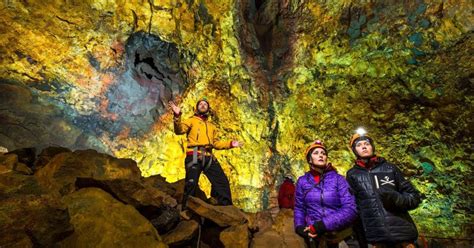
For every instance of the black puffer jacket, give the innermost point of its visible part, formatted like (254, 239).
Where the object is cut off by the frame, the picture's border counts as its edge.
(383, 199)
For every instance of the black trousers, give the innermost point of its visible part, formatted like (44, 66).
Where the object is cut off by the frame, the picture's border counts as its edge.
(212, 169)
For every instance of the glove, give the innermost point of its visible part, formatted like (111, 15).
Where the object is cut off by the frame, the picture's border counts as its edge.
(300, 231)
(319, 228)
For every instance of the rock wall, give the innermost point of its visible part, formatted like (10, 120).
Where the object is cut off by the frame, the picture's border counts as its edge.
(98, 74)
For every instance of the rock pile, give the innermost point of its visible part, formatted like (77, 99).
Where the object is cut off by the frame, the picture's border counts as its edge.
(84, 198)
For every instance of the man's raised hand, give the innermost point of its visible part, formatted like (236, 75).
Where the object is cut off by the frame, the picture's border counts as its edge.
(174, 107)
(236, 143)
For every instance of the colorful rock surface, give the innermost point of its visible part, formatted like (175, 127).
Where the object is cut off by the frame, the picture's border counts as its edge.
(279, 74)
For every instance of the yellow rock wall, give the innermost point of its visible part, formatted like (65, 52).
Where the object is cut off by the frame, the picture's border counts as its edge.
(279, 74)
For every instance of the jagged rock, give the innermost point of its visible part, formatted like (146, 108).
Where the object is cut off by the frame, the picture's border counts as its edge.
(281, 234)
(210, 234)
(129, 191)
(155, 205)
(23, 169)
(28, 214)
(43, 218)
(90, 74)
(99, 220)
(47, 154)
(284, 226)
(268, 238)
(175, 189)
(61, 172)
(14, 184)
(9, 162)
(204, 245)
(446, 243)
(166, 218)
(184, 232)
(26, 156)
(235, 236)
(160, 182)
(19, 239)
(179, 190)
(221, 215)
(260, 221)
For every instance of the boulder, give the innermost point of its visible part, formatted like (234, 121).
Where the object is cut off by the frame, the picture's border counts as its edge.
(26, 156)
(183, 233)
(30, 216)
(223, 216)
(23, 169)
(235, 236)
(210, 234)
(61, 172)
(160, 183)
(163, 220)
(129, 191)
(260, 221)
(9, 162)
(204, 245)
(179, 191)
(268, 238)
(155, 205)
(14, 184)
(284, 226)
(99, 220)
(281, 234)
(19, 239)
(43, 218)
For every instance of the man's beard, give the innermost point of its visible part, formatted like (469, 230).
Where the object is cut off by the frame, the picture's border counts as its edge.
(203, 112)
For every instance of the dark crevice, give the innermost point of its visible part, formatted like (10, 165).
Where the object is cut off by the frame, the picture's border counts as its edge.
(135, 21)
(149, 61)
(258, 3)
(66, 21)
(150, 2)
(266, 42)
(93, 61)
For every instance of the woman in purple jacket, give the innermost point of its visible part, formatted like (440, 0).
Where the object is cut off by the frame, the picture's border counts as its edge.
(323, 203)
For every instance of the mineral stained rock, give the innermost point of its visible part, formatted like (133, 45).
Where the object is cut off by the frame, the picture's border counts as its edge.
(278, 74)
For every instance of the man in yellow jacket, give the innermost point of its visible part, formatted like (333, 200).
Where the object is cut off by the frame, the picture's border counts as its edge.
(202, 139)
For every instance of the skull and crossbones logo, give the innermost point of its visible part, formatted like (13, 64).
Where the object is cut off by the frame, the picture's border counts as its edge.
(387, 181)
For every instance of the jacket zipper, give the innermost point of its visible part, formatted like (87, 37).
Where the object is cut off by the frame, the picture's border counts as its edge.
(207, 134)
(322, 197)
(379, 202)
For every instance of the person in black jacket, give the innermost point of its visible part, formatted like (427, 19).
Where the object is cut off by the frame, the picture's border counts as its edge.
(383, 197)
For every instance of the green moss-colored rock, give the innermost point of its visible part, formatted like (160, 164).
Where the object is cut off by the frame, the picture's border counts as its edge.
(278, 75)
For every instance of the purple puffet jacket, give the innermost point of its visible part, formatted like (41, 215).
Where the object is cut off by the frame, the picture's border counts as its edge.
(329, 201)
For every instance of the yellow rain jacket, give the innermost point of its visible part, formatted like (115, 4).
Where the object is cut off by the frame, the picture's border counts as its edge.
(200, 132)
